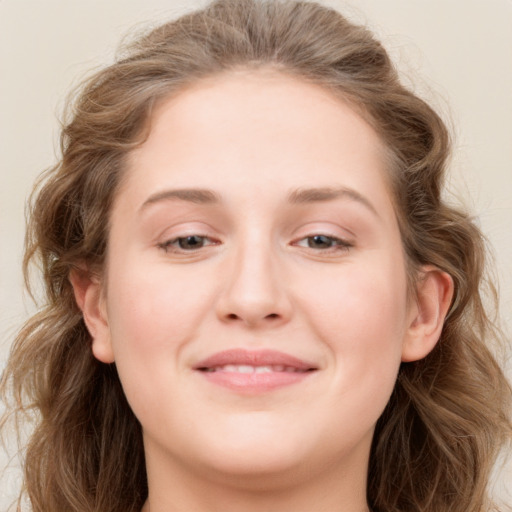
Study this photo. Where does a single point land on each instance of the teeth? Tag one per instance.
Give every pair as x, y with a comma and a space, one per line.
245, 368
262, 369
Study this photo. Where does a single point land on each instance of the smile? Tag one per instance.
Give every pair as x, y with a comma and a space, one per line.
245, 368
254, 372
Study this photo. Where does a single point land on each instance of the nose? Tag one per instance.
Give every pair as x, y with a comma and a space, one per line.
254, 293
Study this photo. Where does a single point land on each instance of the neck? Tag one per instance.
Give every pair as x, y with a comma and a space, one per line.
333, 489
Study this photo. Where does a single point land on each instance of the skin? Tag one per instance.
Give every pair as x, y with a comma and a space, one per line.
258, 280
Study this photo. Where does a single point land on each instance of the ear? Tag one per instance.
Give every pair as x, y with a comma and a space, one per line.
90, 299
434, 292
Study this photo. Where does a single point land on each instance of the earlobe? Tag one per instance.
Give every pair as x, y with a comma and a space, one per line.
434, 292
90, 299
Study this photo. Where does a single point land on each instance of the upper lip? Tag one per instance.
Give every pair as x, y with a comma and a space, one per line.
238, 356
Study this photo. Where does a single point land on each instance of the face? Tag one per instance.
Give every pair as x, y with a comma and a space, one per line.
255, 290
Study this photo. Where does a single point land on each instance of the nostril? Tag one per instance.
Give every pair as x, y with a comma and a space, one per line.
271, 316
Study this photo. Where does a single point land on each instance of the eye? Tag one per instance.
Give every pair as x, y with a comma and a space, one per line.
187, 243
323, 242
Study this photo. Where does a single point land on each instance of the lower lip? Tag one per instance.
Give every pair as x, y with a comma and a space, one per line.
255, 382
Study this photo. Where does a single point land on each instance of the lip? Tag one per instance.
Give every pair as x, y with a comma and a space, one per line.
286, 370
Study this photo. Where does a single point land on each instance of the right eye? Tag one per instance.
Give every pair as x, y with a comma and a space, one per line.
187, 243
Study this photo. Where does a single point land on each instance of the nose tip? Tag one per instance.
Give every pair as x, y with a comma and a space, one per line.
254, 295
253, 313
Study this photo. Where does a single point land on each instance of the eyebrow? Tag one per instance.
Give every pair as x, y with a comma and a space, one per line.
323, 194
192, 195
299, 196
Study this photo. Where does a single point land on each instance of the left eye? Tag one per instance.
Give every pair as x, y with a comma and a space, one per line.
187, 243
323, 242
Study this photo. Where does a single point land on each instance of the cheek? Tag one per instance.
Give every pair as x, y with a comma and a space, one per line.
155, 311
153, 314
360, 314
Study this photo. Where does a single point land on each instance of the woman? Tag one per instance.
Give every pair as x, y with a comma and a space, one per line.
257, 299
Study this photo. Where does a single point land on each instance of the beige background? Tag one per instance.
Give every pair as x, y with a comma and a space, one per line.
456, 53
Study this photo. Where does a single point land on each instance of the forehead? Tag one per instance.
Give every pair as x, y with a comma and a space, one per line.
258, 130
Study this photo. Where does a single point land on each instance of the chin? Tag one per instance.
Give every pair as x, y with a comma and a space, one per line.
258, 469
254, 446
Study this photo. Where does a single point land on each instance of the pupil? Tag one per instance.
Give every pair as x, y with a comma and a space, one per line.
321, 241
191, 242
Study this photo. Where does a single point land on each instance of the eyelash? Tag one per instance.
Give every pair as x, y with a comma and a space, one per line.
174, 245
335, 244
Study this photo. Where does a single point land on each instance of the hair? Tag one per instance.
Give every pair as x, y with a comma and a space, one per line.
449, 414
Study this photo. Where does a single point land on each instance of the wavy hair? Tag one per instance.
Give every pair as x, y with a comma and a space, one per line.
449, 414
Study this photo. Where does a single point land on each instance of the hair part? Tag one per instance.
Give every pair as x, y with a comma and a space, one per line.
435, 444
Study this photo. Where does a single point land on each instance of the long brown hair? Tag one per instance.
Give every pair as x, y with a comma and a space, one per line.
437, 441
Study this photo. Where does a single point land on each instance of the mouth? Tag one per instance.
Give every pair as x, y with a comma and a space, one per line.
254, 371
245, 368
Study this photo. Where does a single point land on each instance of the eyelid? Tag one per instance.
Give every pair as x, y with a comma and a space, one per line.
339, 242
326, 228
168, 239
334, 238
342, 240
169, 247
182, 228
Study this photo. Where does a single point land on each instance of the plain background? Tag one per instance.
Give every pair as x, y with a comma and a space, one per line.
455, 53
